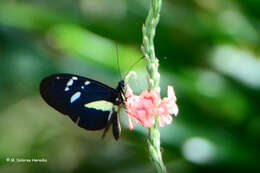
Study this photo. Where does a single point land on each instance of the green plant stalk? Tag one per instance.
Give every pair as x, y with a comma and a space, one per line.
152, 64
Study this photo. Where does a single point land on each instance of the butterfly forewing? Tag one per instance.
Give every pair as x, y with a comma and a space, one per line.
87, 102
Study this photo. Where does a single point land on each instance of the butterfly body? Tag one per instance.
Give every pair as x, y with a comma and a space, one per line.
90, 104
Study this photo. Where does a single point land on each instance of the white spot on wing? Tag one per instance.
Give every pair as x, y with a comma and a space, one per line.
70, 82
74, 78
58, 77
67, 89
82, 87
87, 82
75, 96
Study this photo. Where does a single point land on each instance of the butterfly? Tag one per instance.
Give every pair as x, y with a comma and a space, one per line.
90, 104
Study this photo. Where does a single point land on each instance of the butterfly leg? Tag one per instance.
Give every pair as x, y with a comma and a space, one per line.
109, 122
113, 119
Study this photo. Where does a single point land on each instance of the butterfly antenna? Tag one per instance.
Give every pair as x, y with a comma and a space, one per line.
117, 58
134, 65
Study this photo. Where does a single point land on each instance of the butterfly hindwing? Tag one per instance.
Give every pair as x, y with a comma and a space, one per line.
87, 102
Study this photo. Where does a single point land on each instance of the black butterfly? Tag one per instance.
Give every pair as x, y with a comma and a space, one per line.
90, 104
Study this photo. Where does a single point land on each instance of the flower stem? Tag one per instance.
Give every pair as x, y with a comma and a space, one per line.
152, 64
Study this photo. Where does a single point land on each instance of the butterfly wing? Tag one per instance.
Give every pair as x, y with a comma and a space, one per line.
87, 102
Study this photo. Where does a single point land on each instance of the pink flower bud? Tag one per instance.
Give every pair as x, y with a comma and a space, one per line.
144, 107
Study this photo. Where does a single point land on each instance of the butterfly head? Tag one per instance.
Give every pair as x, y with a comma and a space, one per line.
121, 85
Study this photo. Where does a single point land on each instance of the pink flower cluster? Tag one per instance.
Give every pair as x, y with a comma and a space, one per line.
144, 107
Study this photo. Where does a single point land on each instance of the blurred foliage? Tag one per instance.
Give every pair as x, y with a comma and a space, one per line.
208, 49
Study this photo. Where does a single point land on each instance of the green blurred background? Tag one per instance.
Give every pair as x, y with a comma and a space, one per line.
208, 50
